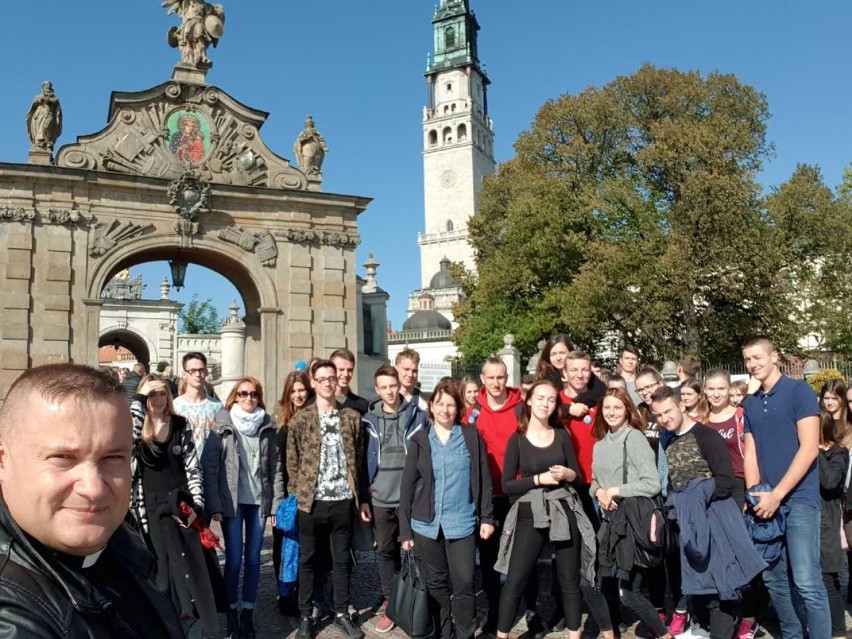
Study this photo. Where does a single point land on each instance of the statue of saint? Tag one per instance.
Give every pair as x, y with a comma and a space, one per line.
310, 149
202, 24
44, 120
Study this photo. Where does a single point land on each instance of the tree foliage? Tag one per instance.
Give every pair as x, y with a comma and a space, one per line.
632, 212
200, 318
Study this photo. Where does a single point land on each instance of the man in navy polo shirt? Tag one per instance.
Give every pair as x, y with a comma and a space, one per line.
780, 449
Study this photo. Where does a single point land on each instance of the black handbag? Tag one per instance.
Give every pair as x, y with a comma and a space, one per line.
408, 604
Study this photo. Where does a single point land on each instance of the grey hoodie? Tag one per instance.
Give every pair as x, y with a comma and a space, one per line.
385, 487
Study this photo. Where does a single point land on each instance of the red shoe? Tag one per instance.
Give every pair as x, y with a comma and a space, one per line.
679, 624
746, 630
385, 624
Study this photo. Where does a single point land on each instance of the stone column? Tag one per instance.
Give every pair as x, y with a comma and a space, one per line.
533, 363
511, 356
233, 334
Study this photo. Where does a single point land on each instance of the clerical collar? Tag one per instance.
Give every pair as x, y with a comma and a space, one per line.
76, 562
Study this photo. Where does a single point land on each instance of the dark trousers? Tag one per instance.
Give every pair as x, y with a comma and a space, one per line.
634, 596
835, 604
330, 520
488, 549
528, 544
386, 528
722, 615
445, 562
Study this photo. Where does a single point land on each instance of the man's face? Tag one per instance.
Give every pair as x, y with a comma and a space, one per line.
345, 370
578, 372
325, 382
668, 413
494, 380
408, 372
628, 362
195, 372
387, 388
645, 387
65, 471
760, 361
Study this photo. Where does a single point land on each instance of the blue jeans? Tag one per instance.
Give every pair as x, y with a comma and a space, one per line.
798, 570
232, 530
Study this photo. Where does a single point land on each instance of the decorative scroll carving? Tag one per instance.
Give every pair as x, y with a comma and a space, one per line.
105, 236
189, 196
62, 216
155, 132
17, 215
261, 243
329, 238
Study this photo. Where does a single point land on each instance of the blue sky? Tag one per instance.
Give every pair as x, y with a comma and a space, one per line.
357, 67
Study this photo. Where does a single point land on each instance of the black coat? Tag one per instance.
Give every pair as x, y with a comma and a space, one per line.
417, 493
833, 464
42, 599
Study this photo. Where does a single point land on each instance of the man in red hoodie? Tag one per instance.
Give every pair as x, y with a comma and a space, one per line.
495, 414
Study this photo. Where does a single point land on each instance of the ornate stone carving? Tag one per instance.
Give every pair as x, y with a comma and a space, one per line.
156, 132
189, 196
310, 149
202, 24
105, 236
261, 243
8, 214
329, 238
44, 120
63, 216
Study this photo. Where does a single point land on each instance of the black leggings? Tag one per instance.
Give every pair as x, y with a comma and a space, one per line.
633, 596
528, 544
835, 604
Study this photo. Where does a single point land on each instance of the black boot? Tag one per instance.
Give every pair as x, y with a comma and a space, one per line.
232, 624
306, 629
247, 624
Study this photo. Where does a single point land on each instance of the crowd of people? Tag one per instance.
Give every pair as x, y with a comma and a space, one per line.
709, 495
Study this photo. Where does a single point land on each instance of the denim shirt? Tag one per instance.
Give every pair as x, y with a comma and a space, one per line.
455, 512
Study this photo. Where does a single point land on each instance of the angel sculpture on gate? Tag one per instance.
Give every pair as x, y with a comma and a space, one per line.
202, 24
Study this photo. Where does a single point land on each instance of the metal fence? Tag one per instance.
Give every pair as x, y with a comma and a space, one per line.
462, 368
794, 369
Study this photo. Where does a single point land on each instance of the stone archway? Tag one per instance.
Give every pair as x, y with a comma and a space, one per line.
136, 344
120, 197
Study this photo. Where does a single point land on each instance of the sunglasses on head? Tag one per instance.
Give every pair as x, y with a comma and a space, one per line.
243, 394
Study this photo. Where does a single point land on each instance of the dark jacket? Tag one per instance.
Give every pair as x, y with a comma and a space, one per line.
220, 467
414, 420
356, 402
624, 528
417, 494
42, 599
131, 385
833, 464
767, 535
716, 553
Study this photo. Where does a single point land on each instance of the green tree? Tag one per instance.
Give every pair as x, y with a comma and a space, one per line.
199, 317
632, 211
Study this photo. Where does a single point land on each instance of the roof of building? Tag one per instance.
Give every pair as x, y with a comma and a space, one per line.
427, 321
443, 278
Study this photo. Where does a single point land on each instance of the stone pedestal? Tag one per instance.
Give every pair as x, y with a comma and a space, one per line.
233, 352
511, 356
188, 73
41, 156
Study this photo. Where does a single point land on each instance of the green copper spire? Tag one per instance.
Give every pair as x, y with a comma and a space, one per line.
456, 31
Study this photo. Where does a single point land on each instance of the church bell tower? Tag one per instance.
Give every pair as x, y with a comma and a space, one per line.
458, 139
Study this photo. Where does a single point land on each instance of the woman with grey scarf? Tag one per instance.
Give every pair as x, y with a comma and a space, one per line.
243, 486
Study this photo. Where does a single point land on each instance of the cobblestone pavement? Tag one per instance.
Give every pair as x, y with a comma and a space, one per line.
365, 590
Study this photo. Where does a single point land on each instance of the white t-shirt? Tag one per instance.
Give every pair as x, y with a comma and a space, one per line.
200, 417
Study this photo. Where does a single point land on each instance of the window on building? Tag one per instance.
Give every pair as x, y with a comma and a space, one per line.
433, 138
449, 38
447, 136
462, 133
450, 226
449, 87
369, 338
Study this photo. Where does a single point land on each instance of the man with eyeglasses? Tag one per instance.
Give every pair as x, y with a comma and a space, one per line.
325, 462
195, 405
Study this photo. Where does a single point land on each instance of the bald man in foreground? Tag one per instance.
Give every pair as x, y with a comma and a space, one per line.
69, 567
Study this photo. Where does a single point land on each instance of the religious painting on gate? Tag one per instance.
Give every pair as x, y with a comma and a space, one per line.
189, 136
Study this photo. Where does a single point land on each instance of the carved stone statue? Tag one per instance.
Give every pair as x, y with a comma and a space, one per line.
310, 149
44, 120
202, 24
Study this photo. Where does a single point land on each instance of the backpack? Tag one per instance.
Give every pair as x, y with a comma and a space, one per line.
650, 539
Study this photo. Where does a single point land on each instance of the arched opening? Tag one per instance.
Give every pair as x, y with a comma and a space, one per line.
121, 348
447, 135
450, 226
449, 38
462, 133
255, 290
433, 138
